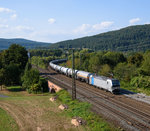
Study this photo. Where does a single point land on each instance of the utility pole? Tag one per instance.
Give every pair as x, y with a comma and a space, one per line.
73, 77
80, 61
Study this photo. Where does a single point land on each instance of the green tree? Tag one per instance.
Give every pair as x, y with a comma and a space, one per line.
12, 74
30, 78
125, 72
145, 69
94, 64
15, 54
105, 71
113, 58
136, 59
2, 77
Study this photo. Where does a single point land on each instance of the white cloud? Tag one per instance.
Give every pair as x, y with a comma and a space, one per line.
147, 23
102, 25
87, 28
51, 20
23, 28
3, 26
134, 20
13, 17
6, 10
84, 29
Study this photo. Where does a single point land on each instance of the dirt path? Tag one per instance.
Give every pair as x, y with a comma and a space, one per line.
17, 114
37, 113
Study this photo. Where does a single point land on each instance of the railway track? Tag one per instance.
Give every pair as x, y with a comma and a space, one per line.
127, 116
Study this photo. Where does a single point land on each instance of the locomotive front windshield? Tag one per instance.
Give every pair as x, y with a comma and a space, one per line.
115, 83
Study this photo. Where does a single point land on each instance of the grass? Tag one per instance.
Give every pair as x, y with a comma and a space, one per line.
36, 110
82, 109
7, 123
15, 88
14, 91
47, 113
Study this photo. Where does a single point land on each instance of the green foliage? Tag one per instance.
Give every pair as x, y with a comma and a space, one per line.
145, 69
40, 61
12, 74
12, 64
105, 71
113, 58
15, 54
14, 88
136, 59
141, 82
34, 88
2, 76
30, 78
43, 84
32, 81
28, 44
125, 72
46, 52
82, 109
94, 63
132, 68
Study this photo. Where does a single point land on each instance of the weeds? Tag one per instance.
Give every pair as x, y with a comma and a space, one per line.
82, 109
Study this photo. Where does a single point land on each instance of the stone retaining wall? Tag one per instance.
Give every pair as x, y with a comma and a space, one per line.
53, 87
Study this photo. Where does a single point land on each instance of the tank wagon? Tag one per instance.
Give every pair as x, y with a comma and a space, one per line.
109, 84
83, 76
70, 72
64, 70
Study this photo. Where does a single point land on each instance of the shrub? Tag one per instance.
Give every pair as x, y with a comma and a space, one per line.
43, 84
141, 82
30, 77
34, 88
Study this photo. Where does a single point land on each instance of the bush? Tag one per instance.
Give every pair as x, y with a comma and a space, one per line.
141, 82
34, 88
30, 78
43, 84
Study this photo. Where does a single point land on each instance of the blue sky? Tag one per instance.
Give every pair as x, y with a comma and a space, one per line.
57, 20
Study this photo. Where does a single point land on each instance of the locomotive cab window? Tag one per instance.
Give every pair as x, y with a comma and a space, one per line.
115, 83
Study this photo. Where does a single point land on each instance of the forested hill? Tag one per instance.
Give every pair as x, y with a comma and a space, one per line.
132, 38
5, 43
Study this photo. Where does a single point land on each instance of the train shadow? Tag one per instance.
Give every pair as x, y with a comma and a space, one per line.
126, 92
48, 74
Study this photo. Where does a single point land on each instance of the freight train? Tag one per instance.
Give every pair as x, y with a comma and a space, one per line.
109, 84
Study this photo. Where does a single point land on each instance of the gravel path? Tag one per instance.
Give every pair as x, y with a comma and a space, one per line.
3, 95
137, 96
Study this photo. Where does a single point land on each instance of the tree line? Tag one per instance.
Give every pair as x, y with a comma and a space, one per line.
130, 68
132, 38
15, 69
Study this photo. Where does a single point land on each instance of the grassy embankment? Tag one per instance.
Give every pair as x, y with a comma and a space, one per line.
82, 109
7, 123
37, 111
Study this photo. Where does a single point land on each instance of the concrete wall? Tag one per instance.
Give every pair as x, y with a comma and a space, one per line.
53, 87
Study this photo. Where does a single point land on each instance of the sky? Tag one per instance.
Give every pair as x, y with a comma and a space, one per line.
57, 20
